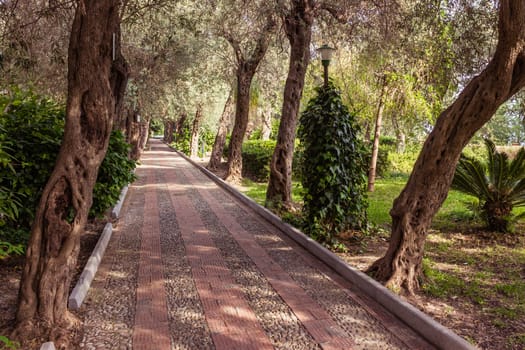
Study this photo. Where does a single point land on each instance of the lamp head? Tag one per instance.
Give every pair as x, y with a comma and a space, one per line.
326, 54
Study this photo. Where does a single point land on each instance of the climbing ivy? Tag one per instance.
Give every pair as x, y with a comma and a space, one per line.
334, 167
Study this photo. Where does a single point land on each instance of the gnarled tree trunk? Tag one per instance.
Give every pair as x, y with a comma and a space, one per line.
246, 68
62, 213
430, 181
220, 138
298, 26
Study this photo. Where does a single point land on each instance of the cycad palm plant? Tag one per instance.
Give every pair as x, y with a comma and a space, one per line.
498, 183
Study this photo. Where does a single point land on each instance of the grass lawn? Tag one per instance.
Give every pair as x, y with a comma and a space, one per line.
474, 280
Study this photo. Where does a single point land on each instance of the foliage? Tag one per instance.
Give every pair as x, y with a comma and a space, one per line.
403, 163
156, 127
7, 249
37, 125
206, 137
9, 200
116, 171
387, 145
182, 139
498, 183
8, 344
334, 167
256, 157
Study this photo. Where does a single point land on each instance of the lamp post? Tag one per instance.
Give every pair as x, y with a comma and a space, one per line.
326, 55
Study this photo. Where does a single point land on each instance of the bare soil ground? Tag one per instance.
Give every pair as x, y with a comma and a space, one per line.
475, 282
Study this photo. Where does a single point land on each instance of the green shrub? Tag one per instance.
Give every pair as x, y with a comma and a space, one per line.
8, 344
208, 137
33, 127
334, 171
403, 163
182, 139
387, 145
116, 171
256, 157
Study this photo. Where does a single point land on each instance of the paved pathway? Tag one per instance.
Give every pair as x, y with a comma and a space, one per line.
188, 267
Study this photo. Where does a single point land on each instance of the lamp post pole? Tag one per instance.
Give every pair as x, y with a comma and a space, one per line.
325, 63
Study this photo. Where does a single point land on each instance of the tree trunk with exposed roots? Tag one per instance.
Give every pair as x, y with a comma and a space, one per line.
298, 26
62, 213
428, 186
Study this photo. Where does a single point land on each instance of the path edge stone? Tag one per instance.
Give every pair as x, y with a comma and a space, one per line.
84, 282
434, 332
116, 209
76, 298
48, 346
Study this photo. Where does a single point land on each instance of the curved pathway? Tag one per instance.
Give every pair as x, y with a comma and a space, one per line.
189, 267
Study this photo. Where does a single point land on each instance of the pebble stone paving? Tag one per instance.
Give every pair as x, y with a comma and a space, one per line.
189, 267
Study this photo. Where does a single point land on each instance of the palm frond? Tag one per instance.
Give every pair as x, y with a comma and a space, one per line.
516, 169
518, 193
470, 178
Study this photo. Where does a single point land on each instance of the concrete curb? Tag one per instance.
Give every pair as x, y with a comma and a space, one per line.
48, 346
84, 282
116, 210
426, 326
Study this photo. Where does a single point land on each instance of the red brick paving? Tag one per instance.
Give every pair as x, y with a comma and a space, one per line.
315, 319
151, 329
232, 322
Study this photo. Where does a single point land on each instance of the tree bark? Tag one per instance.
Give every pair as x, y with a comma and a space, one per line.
430, 181
169, 128
143, 136
246, 68
298, 26
119, 77
194, 142
377, 137
180, 125
63, 209
220, 138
